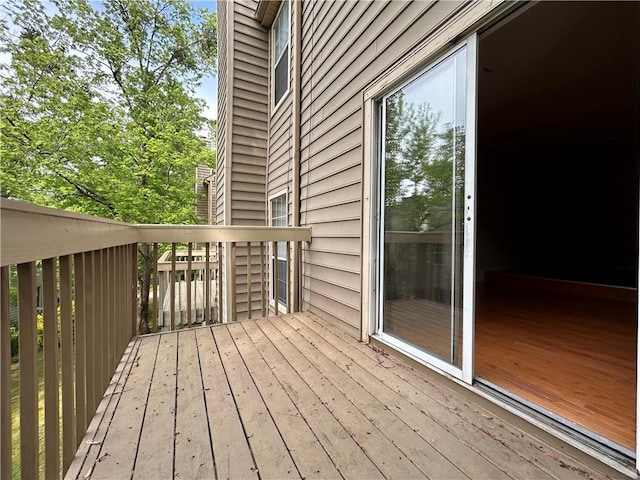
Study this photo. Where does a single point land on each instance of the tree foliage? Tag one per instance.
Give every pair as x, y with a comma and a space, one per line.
99, 112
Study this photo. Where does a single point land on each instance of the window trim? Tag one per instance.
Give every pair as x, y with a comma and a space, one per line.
282, 307
275, 105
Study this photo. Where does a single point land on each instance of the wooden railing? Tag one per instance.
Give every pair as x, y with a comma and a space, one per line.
80, 273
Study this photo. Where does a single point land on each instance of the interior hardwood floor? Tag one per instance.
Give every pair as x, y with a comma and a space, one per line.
572, 355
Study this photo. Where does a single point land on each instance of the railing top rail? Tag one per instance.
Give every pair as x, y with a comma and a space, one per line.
231, 233
29, 232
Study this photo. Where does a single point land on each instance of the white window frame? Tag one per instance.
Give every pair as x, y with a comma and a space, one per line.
274, 61
282, 307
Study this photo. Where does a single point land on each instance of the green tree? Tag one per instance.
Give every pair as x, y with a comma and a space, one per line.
99, 112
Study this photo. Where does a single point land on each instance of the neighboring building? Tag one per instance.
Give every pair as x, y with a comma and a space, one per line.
205, 194
362, 118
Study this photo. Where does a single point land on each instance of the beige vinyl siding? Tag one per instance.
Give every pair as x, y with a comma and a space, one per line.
221, 150
346, 46
248, 141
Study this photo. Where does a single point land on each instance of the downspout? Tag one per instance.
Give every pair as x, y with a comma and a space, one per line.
295, 187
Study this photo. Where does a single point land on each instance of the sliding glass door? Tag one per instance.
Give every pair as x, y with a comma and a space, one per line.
425, 204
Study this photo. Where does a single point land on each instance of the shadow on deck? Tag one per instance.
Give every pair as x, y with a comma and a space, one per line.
295, 397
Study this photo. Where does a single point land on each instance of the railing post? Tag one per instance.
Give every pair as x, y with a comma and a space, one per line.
51, 383
29, 445
5, 376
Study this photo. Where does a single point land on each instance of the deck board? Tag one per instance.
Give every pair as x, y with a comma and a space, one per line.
156, 448
295, 397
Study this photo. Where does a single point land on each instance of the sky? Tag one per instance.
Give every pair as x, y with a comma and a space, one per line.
209, 87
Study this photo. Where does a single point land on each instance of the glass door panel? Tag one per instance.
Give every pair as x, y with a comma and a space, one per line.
423, 180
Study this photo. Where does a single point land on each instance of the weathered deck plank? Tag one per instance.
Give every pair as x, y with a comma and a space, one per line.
269, 450
232, 457
118, 452
89, 446
507, 447
349, 458
155, 451
309, 456
389, 459
193, 451
294, 397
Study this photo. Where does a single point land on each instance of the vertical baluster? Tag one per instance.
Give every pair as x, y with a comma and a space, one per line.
66, 349
29, 443
51, 384
90, 350
207, 280
288, 283
5, 376
80, 346
113, 287
99, 326
274, 280
219, 282
133, 294
188, 279
263, 287
107, 316
249, 281
155, 287
173, 286
233, 261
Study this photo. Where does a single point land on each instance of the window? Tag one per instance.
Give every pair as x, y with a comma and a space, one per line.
279, 218
280, 73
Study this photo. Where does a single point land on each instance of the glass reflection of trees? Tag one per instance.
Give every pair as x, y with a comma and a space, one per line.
424, 185
420, 154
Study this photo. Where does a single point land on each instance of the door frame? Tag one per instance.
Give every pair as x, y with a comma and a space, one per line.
371, 238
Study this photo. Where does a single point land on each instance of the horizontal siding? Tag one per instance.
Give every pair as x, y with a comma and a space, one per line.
346, 46
221, 153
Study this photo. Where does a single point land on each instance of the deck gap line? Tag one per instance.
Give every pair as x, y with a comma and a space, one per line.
539, 466
206, 408
144, 413
365, 415
244, 430
334, 386
292, 401
265, 403
175, 407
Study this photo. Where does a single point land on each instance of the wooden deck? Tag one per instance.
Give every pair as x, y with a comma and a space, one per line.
296, 397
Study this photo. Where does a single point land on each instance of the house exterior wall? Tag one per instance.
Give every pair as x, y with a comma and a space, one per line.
345, 47
242, 137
